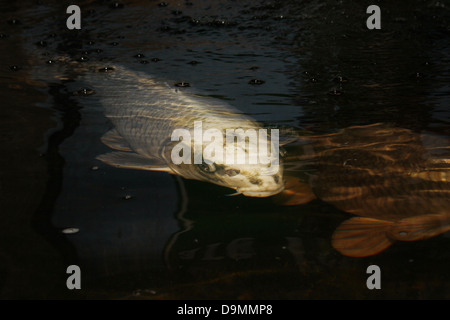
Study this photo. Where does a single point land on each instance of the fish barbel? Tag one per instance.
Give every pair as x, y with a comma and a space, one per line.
145, 113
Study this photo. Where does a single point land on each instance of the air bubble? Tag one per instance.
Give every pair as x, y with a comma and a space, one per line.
256, 82
106, 69
70, 230
182, 84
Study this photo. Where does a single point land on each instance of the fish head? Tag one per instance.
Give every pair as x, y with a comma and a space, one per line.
249, 180
248, 170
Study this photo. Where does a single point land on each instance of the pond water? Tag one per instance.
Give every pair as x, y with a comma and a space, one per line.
146, 234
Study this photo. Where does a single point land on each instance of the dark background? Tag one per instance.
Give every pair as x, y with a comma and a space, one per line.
186, 239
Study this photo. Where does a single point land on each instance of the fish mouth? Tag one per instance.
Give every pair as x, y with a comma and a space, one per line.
260, 193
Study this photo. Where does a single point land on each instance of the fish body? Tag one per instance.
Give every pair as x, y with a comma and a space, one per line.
145, 114
397, 183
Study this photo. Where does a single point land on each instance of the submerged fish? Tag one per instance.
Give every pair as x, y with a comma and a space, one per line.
396, 181
145, 114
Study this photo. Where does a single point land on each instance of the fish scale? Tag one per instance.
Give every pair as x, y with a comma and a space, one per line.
159, 109
145, 112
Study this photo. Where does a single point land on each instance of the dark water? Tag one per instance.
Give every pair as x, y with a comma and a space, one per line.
151, 235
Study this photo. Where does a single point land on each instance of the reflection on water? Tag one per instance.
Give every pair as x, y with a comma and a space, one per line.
396, 179
308, 65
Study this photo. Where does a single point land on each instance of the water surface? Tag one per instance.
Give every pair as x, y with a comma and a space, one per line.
151, 235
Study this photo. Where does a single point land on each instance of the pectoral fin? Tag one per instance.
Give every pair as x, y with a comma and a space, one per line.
115, 141
295, 193
286, 135
284, 140
362, 237
131, 160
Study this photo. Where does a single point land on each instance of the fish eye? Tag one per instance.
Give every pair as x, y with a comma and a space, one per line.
207, 167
